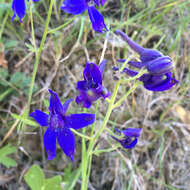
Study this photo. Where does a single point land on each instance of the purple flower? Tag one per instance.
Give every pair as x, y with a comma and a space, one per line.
19, 8
91, 88
76, 7
59, 125
159, 77
130, 138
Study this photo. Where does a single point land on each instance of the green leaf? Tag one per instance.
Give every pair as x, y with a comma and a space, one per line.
11, 44
35, 178
26, 121
71, 177
6, 150
4, 7
3, 75
30, 47
53, 183
21, 81
5, 93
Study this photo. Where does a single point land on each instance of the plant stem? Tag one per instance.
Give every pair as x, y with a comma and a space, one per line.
84, 185
32, 28
39, 51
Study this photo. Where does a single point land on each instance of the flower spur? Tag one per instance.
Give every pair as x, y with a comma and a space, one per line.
59, 125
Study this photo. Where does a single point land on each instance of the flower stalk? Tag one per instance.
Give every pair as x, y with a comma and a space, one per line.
38, 54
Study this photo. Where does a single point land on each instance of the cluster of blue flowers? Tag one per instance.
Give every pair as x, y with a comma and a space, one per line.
158, 78
74, 7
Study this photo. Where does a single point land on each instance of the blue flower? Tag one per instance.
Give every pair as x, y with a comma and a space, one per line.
130, 138
19, 8
76, 7
59, 125
91, 88
159, 77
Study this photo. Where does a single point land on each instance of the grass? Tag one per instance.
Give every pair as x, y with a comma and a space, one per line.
161, 159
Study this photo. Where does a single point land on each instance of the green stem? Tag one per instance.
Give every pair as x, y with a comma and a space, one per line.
61, 26
106, 119
84, 160
32, 28
84, 185
80, 134
38, 56
89, 158
3, 24
120, 101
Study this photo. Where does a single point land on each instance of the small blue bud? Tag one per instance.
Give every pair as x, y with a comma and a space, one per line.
160, 66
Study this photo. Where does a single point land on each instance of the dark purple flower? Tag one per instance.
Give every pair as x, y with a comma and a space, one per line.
130, 138
159, 77
19, 8
76, 7
91, 88
59, 125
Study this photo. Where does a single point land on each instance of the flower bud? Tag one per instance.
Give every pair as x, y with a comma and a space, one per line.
160, 66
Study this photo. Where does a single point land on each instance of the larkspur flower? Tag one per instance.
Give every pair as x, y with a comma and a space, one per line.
59, 125
159, 77
76, 7
19, 8
130, 138
91, 88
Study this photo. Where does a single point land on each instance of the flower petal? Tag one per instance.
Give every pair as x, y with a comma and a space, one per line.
55, 104
66, 141
66, 105
130, 145
161, 85
82, 85
130, 72
77, 121
92, 72
132, 132
102, 2
96, 19
50, 143
97, 2
136, 64
121, 60
87, 104
74, 7
40, 117
19, 8
102, 66
149, 55
160, 65
126, 142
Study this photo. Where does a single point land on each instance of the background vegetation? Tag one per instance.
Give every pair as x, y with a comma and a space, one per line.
160, 161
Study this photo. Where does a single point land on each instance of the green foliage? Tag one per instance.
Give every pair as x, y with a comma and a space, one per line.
24, 120
18, 81
4, 159
36, 180
4, 7
11, 44
21, 81
71, 177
